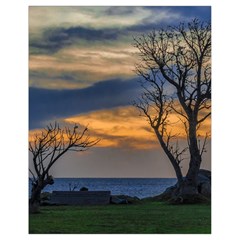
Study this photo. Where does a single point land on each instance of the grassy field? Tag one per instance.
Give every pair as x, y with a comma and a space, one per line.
150, 217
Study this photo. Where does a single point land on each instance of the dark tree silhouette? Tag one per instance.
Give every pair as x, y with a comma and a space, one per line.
47, 148
175, 65
156, 106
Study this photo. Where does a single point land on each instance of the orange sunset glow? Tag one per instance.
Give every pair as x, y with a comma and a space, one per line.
123, 127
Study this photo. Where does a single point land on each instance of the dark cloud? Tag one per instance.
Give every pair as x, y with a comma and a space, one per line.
53, 39
66, 34
45, 104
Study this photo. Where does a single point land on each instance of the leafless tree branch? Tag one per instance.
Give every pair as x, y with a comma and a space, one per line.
180, 57
51, 144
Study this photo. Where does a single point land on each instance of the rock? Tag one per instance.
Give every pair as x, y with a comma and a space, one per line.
205, 173
204, 182
202, 179
45, 196
204, 187
167, 194
204, 176
124, 199
117, 200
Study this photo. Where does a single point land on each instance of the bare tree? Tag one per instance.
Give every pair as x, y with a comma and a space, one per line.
47, 148
156, 107
176, 64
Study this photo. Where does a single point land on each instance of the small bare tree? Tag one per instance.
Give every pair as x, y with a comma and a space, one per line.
176, 62
47, 148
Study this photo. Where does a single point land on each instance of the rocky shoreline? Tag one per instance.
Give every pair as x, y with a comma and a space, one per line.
204, 188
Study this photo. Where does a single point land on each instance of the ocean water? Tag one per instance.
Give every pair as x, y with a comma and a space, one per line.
139, 187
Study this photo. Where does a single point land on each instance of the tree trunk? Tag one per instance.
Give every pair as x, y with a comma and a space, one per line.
35, 199
37, 188
188, 190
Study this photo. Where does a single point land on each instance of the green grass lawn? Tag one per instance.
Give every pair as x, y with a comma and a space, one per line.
149, 217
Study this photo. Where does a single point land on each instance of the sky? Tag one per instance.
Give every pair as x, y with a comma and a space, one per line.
81, 70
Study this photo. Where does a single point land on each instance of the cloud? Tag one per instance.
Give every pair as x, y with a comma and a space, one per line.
122, 127
117, 17
118, 127
58, 80
50, 31
86, 65
49, 105
54, 39
90, 17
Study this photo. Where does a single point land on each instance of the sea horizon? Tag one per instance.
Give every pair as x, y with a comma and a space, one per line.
135, 187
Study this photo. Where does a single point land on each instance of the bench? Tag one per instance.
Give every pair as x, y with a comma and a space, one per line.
80, 197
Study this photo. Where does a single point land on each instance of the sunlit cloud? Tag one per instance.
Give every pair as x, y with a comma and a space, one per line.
87, 66
123, 127
118, 127
95, 17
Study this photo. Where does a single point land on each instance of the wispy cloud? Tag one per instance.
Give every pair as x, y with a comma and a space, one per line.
123, 127
87, 65
96, 17
118, 127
